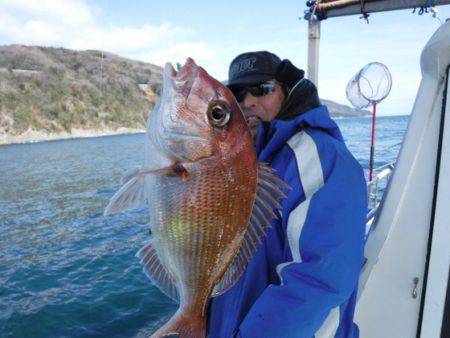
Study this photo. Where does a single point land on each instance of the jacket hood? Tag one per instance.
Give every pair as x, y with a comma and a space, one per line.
272, 136
301, 98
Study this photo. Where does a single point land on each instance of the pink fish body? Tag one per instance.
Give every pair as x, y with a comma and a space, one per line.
208, 197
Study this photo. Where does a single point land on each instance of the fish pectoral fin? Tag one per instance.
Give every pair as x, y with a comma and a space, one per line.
268, 193
129, 174
131, 196
154, 270
176, 169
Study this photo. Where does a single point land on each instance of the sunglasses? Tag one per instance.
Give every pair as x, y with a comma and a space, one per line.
257, 90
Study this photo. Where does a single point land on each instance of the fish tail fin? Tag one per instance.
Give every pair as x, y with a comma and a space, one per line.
183, 326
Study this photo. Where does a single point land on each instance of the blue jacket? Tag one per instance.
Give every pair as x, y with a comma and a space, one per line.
302, 280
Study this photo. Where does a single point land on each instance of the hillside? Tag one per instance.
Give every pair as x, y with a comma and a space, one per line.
56, 91
338, 110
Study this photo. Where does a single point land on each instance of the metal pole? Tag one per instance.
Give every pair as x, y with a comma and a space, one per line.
375, 6
313, 50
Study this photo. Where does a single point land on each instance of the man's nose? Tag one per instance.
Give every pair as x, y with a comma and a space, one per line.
249, 101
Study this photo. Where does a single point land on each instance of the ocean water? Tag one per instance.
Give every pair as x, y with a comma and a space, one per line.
68, 271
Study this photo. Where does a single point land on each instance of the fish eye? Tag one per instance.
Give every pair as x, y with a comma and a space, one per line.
219, 114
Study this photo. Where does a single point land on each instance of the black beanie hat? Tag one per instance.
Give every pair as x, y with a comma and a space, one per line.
252, 67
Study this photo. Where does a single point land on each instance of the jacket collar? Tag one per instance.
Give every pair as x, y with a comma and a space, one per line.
271, 137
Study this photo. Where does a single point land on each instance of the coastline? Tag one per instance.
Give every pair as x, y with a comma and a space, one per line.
33, 136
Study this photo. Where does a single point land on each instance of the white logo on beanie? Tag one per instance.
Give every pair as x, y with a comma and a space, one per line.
242, 66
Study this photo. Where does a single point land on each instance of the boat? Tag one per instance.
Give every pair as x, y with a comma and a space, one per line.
404, 288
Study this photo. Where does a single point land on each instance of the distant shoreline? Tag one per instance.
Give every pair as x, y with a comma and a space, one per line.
33, 136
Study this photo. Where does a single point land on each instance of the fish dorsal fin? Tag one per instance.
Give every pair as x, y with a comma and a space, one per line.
268, 192
155, 270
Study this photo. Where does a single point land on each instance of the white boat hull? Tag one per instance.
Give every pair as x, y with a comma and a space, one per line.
409, 246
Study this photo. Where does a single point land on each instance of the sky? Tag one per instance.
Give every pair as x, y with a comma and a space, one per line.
214, 32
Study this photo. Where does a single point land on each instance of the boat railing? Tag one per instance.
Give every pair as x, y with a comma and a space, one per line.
376, 188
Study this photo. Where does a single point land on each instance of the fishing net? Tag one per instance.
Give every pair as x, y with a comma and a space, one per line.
369, 86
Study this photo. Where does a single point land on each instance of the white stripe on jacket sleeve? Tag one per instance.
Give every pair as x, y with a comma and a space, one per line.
311, 176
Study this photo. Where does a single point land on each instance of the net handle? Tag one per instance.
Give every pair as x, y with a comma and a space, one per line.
372, 142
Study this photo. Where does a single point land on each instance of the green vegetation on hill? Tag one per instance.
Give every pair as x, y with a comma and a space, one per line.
56, 89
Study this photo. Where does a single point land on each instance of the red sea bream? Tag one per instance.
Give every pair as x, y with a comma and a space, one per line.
209, 199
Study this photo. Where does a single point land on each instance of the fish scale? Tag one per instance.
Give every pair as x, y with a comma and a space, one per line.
196, 229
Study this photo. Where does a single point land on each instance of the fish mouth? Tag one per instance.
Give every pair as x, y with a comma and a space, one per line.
180, 142
182, 78
169, 70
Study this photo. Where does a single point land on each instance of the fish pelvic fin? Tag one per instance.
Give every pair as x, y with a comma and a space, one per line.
183, 325
269, 191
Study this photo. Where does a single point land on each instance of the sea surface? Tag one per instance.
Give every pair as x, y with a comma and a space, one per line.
68, 271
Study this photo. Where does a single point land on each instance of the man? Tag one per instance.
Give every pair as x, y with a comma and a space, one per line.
302, 279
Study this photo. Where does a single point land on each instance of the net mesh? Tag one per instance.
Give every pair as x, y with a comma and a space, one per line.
369, 86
